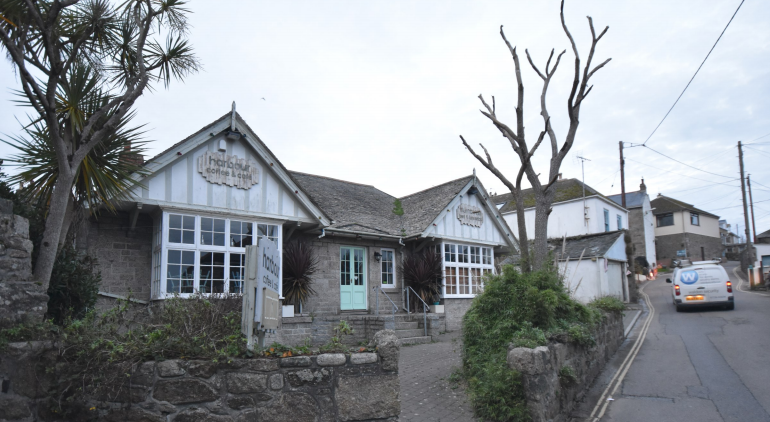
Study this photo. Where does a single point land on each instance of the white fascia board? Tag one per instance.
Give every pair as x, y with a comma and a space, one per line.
491, 209
216, 211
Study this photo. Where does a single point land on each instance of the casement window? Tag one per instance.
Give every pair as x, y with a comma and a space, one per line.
694, 219
387, 268
620, 222
202, 254
606, 220
665, 220
464, 269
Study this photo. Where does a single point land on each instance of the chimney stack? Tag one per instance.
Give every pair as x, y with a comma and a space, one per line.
643, 187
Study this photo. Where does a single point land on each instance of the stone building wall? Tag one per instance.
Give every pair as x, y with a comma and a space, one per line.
321, 388
666, 246
551, 397
636, 230
455, 311
21, 299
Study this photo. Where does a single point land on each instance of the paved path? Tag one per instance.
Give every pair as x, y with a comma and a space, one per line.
426, 393
705, 365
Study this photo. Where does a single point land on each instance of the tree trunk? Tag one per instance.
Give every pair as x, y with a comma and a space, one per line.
68, 217
526, 264
57, 211
541, 233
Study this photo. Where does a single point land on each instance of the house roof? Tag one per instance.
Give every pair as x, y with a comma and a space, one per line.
566, 190
595, 245
763, 235
664, 204
364, 208
633, 199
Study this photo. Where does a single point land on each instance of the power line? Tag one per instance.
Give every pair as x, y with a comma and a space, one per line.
693, 76
760, 143
678, 174
685, 164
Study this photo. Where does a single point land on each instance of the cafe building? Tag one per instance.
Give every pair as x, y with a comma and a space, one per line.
183, 231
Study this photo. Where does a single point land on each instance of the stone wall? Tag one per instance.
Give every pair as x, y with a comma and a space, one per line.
319, 330
666, 246
455, 311
551, 397
21, 299
636, 230
325, 387
124, 256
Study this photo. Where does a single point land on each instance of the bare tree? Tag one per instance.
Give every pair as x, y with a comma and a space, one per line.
48, 41
543, 192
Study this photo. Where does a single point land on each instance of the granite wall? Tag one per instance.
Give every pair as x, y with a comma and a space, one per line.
551, 397
666, 246
320, 388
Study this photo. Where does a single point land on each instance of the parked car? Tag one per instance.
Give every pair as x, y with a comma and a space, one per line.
701, 283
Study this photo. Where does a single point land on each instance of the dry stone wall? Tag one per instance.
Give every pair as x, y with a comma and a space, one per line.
325, 387
551, 397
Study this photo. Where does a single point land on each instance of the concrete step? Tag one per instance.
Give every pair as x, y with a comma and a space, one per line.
410, 333
407, 325
414, 340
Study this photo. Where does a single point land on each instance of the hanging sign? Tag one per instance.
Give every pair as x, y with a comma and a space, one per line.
260, 309
470, 215
228, 170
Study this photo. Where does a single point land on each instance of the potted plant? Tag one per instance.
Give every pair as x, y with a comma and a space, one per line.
422, 272
299, 264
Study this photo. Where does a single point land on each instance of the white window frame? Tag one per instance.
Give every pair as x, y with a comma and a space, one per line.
393, 251
619, 219
160, 287
469, 265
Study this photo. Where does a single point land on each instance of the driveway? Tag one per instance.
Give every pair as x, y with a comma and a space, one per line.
427, 395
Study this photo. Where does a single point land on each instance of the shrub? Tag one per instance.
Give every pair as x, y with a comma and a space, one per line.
422, 272
525, 309
299, 264
608, 304
567, 375
74, 286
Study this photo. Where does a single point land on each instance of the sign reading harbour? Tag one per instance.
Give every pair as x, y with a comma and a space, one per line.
470, 215
228, 170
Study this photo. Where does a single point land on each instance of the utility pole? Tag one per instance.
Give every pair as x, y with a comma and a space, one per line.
622, 177
751, 202
749, 249
582, 167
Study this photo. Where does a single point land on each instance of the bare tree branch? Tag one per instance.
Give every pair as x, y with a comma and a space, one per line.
488, 164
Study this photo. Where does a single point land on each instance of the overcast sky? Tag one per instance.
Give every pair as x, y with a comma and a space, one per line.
378, 92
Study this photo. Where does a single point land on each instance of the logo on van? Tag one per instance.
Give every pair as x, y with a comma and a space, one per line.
689, 277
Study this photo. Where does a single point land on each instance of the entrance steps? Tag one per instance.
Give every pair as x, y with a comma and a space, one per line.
409, 332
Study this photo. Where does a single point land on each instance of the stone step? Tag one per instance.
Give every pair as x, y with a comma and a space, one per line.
407, 325
414, 340
410, 333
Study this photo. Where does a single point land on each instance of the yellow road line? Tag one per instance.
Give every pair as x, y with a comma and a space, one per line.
742, 282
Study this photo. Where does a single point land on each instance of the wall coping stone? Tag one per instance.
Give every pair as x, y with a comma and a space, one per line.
331, 359
363, 358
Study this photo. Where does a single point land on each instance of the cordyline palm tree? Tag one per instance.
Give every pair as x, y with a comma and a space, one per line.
120, 46
299, 264
422, 272
103, 176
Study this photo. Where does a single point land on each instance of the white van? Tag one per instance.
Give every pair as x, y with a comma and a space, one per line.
703, 283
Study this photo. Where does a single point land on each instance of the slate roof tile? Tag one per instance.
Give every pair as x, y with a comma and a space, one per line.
566, 189
595, 245
664, 204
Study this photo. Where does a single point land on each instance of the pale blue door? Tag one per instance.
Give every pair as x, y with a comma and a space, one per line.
352, 278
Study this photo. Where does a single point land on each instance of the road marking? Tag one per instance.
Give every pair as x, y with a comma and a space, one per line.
620, 374
740, 286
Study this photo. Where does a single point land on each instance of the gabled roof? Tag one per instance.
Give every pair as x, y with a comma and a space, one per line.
761, 235
633, 199
421, 208
566, 190
664, 204
352, 206
595, 245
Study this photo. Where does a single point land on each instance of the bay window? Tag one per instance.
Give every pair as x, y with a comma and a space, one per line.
464, 269
202, 254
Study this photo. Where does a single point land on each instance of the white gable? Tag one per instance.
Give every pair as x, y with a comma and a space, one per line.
491, 230
178, 178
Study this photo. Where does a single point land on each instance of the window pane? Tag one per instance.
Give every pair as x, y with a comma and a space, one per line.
189, 222
179, 271
237, 272
450, 279
464, 287
188, 237
181, 229
212, 231
240, 234
387, 266
175, 221
212, 272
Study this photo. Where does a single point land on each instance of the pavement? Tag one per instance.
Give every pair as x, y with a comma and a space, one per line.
705, 365
427, 394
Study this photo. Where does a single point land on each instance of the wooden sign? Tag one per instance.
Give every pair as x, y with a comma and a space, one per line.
228, 170
470, 215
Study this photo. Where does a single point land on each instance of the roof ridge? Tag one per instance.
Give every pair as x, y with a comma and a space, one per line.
588, 235
332, 178
434, 187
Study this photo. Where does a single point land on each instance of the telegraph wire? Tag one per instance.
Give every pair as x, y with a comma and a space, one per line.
693, 76
678, 174
685, 164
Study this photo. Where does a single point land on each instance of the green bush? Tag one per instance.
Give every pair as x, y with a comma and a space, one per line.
567, 375
523, 309
74, 286
608, 304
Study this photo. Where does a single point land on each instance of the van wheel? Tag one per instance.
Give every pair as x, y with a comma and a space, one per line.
731, 306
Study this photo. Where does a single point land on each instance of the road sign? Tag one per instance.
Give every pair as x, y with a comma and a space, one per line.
261, 289
683, 252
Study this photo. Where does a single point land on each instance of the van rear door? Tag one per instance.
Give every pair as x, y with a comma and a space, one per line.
705, 284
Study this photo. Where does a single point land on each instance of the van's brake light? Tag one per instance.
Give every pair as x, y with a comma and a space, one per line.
729, 287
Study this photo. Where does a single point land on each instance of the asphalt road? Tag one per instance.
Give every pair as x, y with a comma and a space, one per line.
705, 365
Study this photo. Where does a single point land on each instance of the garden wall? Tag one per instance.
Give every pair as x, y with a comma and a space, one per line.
551, 397
325, 387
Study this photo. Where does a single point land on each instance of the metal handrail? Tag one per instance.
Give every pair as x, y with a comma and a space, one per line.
424, 309
393, 309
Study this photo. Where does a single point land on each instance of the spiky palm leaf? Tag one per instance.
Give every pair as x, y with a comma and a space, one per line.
422, 272
299, 264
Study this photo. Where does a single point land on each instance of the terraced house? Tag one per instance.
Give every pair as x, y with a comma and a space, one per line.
184, 232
